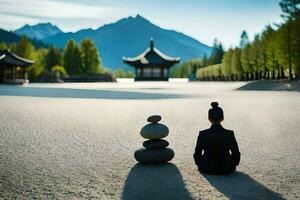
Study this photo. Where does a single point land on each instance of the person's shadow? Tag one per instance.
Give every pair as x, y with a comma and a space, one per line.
155, 182
238, 186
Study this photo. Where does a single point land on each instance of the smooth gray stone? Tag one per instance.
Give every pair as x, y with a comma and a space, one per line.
153, 156
154, 118
154, 131
155, 144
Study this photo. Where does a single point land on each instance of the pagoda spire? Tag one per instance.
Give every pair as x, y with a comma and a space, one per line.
151, 43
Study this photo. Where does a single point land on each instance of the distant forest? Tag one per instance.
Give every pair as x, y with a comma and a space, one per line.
274, 54
76, 61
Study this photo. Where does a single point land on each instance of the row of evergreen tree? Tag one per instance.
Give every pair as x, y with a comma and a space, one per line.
188, 69
273, 54
74, 60
82, 59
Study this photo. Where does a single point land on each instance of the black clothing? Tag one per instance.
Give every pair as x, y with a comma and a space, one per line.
216, 151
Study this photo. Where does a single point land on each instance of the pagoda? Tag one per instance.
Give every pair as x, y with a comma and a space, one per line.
152, 64
13, 67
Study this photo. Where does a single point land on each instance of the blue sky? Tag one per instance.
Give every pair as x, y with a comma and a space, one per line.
201, 19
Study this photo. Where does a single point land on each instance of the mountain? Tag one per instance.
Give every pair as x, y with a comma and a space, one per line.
131, 36
9, 37
39, 31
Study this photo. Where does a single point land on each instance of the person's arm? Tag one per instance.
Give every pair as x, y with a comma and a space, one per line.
198, 150
235, 153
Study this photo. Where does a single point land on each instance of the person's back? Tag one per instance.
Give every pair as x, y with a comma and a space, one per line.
216, 150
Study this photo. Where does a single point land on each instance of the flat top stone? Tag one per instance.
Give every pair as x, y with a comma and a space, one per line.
154, 118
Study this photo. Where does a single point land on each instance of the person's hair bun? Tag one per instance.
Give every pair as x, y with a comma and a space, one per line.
214, 104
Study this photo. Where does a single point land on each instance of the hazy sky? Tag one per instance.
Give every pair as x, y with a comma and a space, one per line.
201, 19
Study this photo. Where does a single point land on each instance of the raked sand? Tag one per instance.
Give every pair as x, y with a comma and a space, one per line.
76, 141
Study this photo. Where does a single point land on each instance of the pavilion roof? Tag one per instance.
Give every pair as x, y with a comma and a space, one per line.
2, 56
9, 58
151, 56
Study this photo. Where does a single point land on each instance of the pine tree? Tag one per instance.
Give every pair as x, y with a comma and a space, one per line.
291, 10
270, 38
296, 44
244, 41
262, 56
54, 57
204, 61
72, 58
227, 71
39, 65
220, 54
254, 56
236, 65
23, 48
245, 62
90, 57
217, 53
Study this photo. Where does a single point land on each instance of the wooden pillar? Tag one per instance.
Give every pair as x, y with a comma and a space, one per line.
1, 73
12, 72
24, 73
152, 71
161, 72
168, 72
142, 72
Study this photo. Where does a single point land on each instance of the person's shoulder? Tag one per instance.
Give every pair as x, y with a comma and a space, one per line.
228, 131
204, 131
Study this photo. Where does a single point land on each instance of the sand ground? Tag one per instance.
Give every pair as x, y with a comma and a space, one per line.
76, 141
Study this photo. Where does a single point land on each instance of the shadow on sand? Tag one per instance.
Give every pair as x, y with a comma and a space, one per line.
271, 85
159, 182
238, 186
80, 93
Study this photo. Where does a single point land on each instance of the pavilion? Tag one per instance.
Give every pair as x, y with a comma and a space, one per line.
152, 64
13, 67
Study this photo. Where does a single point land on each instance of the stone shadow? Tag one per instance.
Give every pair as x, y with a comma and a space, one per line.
81, 93
238, 186
159, 182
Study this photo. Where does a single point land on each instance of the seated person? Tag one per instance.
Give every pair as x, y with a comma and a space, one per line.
216, 151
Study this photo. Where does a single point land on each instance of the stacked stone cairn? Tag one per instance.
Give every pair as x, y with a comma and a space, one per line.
155, 149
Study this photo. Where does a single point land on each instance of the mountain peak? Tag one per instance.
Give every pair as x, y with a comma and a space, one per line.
129, 37
45, 24
138, 17
39, 31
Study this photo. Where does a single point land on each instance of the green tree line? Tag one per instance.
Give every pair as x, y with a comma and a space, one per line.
188, 69
73, 60
273, 54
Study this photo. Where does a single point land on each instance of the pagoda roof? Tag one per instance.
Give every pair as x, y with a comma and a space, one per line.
9, 58
151, 56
